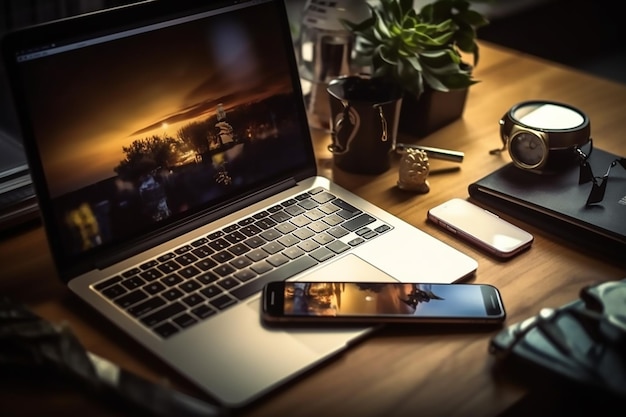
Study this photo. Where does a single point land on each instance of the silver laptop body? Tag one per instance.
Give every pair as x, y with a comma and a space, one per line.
158, 133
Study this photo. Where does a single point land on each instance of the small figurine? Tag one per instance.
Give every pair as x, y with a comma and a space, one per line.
414, 169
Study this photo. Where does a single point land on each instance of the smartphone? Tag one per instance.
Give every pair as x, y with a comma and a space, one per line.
481, 228
380, 303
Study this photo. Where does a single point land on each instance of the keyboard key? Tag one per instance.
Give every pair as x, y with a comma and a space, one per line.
293, 252
358, 222
222, 256
235, 237
245, 222
131, 298
189, 271
241, 262
184, 320
206, 264
169, 266
289, 202
183, 249
285, 228
199, 242
166, 257
224, 270
250, 230
146, 265
323, 197
186, 259
238, 249
215, 235
294, 211
338, 246
189, 286
288, 240
211, 291
323, 238
131, 272
280, 216
356, 241
308, 245
147, 306
193, 299
329, 208
254, 242
151, 274
303, 234
114, 291
383, 228
230, 229
322, 254
244, 275
273, 247
271, 234
256, 255
279, 274
222, 302
207, 278
308, 204
202, 251
163, 314
166, 330
318, 226
171, 280
133, 282
219, 244
203, 311
261, 267
102, 285
265, 223
153, 288
172, 294
337, 232
333, 220
228, 283
345, 206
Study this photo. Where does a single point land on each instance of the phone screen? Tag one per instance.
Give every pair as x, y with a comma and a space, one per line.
381, 302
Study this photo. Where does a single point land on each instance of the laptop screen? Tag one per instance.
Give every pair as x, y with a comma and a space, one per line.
140, 127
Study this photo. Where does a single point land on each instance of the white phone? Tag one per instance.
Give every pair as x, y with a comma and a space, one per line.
481, 227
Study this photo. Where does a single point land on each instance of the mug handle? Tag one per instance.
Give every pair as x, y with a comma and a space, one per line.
335, 147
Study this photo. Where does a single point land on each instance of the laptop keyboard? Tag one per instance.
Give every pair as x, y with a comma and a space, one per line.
206, 276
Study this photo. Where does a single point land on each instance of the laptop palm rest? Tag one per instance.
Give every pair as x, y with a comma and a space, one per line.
350, 268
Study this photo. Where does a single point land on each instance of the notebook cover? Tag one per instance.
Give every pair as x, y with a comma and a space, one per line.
556, 203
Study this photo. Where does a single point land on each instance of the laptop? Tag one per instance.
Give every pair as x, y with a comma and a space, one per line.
170, 153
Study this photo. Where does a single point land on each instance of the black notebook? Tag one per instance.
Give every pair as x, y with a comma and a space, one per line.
557, 203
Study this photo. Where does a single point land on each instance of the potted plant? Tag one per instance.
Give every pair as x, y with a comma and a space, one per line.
422, 53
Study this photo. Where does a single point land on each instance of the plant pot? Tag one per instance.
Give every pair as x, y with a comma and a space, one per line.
365, 114
420, 116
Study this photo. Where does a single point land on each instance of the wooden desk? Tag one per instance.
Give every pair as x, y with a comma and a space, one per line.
388, 374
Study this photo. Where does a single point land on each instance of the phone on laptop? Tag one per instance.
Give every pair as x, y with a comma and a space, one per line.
374, 303
481, 228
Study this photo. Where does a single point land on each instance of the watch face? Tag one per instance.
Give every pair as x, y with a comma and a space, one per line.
528, 150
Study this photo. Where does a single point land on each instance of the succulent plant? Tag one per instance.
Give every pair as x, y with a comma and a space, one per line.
411, 48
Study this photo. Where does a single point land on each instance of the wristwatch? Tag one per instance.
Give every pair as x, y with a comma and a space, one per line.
543, 136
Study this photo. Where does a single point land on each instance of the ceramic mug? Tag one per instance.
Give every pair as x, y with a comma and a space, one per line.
364, 123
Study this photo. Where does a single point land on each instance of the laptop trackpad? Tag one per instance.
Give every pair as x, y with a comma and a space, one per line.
350, 268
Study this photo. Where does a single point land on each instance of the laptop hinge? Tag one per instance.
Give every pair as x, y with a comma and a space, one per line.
181, 228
